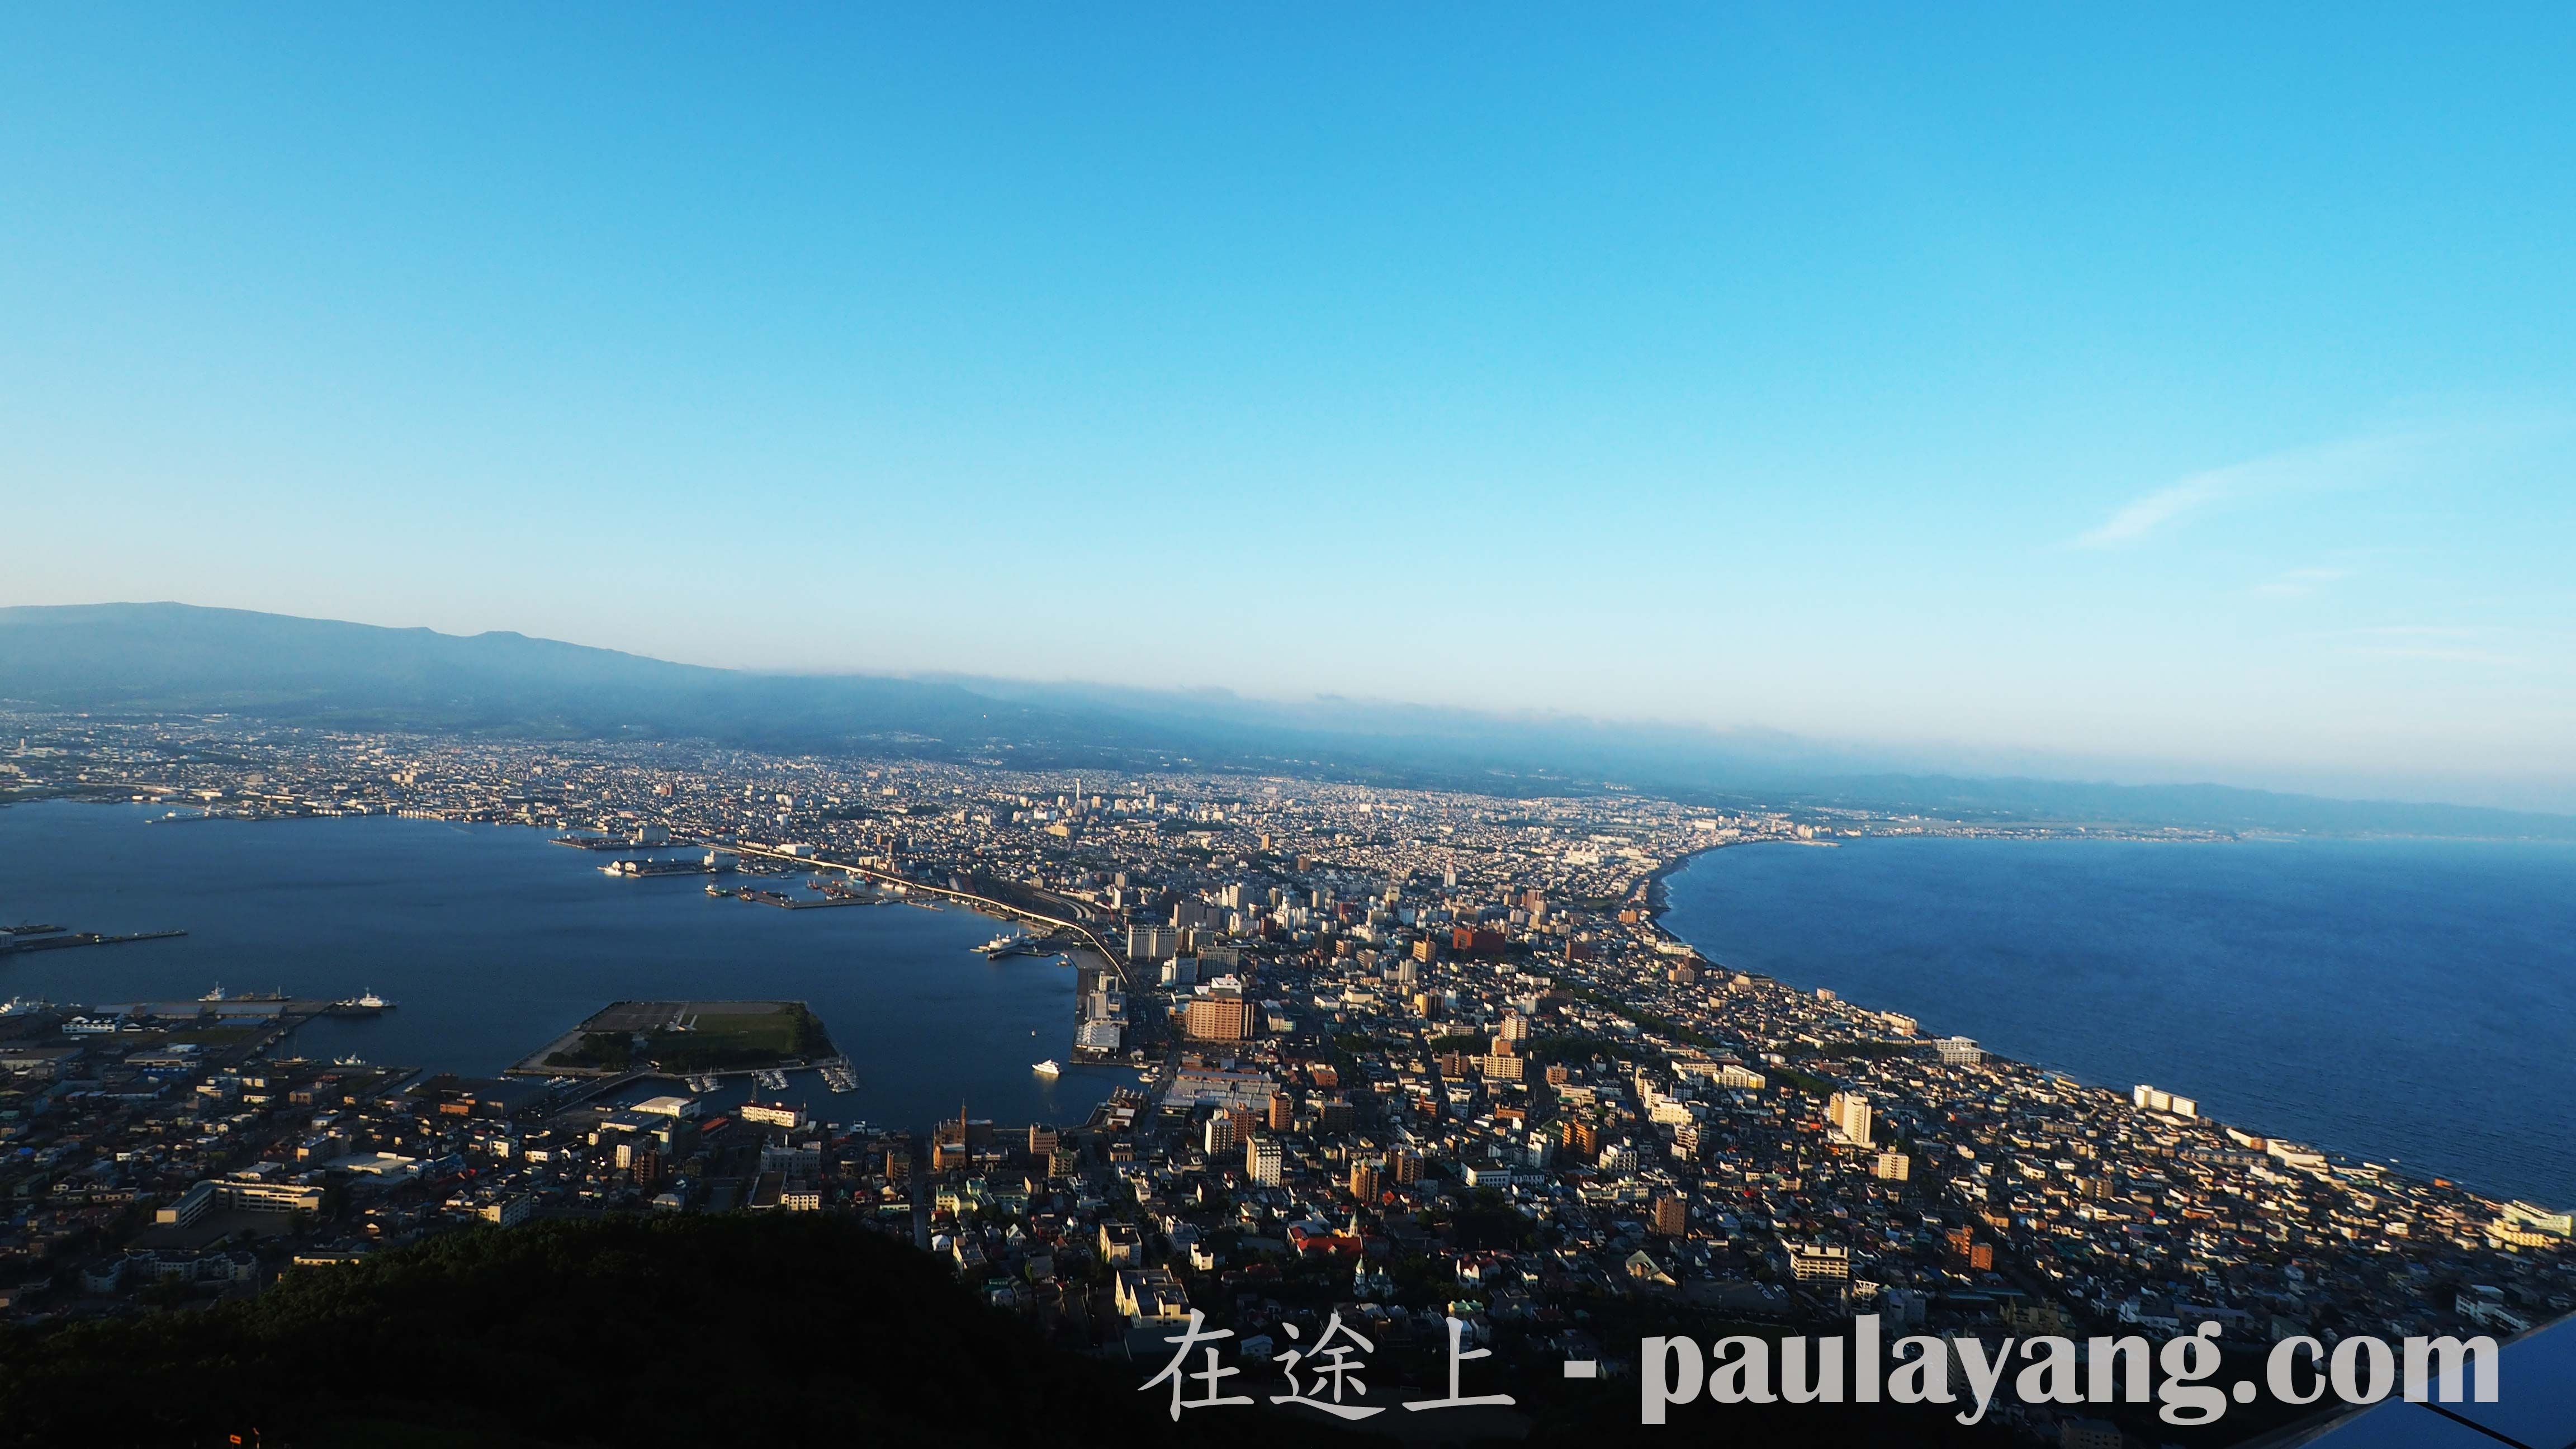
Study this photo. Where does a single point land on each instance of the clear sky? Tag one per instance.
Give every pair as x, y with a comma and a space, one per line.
2191, 394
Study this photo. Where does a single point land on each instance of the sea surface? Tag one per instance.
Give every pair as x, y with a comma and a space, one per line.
2405, 1001
493, 941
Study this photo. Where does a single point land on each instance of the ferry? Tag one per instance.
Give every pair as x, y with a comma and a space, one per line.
1000, 943
1049, 1068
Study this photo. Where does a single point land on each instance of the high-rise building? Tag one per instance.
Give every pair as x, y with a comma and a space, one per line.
1850, 1112
1220, 1134
1261, 1159
1406, 1164
1152, 943
1672, 1216
1217, 1018
1365, 1181
1283, 1112
1893, 1167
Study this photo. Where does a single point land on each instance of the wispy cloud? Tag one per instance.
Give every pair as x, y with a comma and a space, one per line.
2299, 583
2335, 465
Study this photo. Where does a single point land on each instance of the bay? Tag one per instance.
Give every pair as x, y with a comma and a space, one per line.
493, 940
2400, 1000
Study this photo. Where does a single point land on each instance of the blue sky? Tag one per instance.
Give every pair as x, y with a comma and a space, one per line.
2183, 394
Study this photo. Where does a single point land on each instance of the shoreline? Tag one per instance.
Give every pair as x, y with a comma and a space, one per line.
2336, 1157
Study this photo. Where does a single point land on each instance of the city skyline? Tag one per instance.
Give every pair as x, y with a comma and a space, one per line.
2062, 394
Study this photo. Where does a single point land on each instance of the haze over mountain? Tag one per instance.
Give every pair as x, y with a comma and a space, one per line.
178, 658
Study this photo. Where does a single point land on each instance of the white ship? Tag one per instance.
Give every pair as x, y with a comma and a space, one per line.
1048, 1068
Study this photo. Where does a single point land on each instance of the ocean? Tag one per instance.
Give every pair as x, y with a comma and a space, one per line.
2405, 1001
493, 941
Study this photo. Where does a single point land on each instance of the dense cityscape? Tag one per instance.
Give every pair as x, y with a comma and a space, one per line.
1404, 1056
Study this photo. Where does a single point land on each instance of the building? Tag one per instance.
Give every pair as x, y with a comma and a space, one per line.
1958, 1051
1283, 1112
248, 1192
1217, 1018
1219, 1134
1217, 1087
1892, 1167
1152, 943
508, 1212
1671, 1217
1849, 1111
1150, 1295
2151, 1099
1365, 1181
1121, 1245
190, 1206
1819, 1262
1261, 1159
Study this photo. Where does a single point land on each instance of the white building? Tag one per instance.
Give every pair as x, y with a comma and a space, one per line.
1261, 1159
1849, 1111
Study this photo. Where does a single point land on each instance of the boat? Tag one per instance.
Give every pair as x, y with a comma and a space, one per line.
1048, 1068
368, 1005
351, 1060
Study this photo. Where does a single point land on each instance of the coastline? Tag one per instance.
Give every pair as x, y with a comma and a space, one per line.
2409, 1165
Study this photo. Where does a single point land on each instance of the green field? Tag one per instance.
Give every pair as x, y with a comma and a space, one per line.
721, 1036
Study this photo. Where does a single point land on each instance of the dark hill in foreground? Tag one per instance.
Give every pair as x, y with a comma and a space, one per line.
696, 1331
719, 1331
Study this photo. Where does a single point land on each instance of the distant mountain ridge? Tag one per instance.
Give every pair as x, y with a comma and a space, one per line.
180, 658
